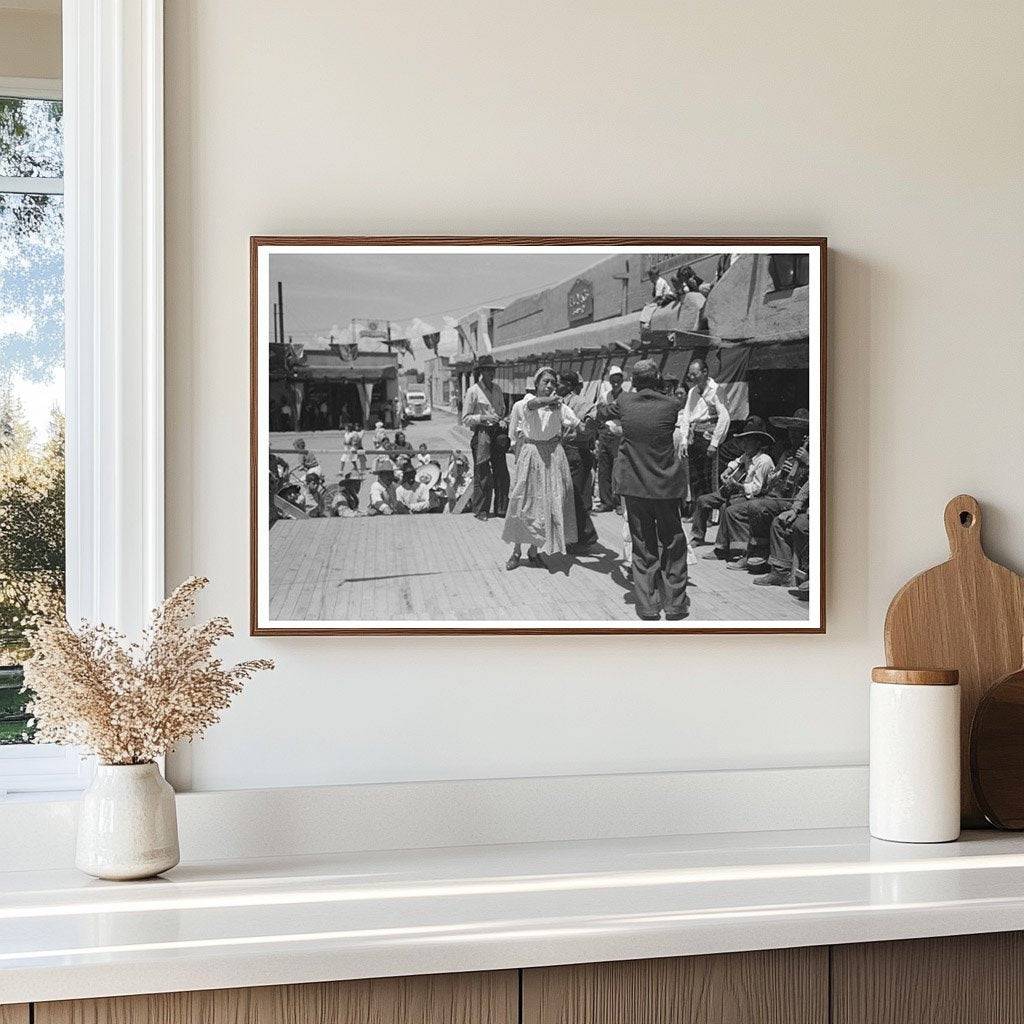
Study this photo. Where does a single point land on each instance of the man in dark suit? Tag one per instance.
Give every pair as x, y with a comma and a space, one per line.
652, 479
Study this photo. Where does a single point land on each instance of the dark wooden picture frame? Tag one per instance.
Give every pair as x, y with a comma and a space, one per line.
679, 244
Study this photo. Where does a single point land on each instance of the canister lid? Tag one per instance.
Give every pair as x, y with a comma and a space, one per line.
916, 676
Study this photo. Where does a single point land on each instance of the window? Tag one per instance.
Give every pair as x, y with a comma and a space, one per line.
31, 383
789, 270
81, 188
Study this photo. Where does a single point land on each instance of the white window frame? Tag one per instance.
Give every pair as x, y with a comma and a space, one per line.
114, 325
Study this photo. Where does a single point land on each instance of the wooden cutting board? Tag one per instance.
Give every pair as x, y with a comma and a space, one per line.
967, 614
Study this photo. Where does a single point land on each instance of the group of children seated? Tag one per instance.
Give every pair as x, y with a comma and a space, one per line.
406, 480
408, 490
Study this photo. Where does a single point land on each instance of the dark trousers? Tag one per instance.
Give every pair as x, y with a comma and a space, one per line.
744, 521
659, 556
490, 474
702, 467
787, 539
702, 510
581, 469
607, 449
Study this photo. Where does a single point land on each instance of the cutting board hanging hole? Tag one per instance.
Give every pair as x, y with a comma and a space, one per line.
963, 526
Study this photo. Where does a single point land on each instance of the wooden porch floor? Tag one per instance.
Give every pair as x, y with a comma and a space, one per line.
452, 567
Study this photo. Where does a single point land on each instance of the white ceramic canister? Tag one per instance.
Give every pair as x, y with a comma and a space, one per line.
915, 755
127, 825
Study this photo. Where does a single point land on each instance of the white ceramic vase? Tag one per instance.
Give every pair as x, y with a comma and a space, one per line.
127, 824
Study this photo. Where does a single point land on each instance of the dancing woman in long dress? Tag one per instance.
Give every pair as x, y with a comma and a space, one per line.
540, 513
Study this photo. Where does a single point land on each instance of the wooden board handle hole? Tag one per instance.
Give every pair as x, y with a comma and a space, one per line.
963, 524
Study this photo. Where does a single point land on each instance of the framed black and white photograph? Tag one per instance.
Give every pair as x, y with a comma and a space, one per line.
537, 435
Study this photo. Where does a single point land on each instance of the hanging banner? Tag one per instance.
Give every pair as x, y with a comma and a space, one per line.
375, 330
366, 399
731, 374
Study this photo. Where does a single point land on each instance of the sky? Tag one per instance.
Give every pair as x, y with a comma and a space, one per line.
31, 264
325, 290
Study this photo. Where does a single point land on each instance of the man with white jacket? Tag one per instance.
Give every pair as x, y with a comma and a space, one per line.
701, 427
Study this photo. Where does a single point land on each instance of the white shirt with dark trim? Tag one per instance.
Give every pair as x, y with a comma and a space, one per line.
696, 415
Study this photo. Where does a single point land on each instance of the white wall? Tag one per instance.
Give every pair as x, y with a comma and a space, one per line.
895, 129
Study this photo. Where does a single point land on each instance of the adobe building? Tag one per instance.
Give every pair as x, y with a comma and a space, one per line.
323, 388
752, 326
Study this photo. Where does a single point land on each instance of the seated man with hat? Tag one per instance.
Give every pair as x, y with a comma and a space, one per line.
746, 523
383, 491
743, 478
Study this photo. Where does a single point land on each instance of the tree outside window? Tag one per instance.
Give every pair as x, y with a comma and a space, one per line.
31, 387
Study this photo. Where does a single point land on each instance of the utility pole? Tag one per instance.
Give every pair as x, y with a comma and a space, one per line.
280, 310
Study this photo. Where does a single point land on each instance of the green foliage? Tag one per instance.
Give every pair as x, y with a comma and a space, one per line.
32, 549
31, 138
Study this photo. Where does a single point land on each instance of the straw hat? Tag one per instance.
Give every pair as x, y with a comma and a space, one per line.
429, 474
382, 464
801, 418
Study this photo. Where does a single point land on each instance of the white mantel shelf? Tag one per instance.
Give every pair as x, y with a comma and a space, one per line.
266, 922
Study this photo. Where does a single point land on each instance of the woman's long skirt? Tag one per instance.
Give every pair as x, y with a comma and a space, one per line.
540, 505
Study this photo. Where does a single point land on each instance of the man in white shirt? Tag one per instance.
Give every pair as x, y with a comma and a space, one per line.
412, 493
663, 293
701, 427
608, 439
744, 478
383, 492
485, 412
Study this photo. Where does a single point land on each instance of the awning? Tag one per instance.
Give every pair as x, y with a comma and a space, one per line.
346, 372
332, 364
625, 329
782, 355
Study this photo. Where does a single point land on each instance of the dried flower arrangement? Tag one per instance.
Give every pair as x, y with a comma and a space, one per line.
130, 703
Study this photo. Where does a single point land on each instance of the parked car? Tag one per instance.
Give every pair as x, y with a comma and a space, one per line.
416, 406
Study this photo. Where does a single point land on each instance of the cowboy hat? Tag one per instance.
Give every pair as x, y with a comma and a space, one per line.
754, 427
801, 418
485, 360
382, 464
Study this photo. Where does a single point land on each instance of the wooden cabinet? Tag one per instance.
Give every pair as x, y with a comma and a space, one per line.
970, 979
491, 998
777, 986
962, 979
